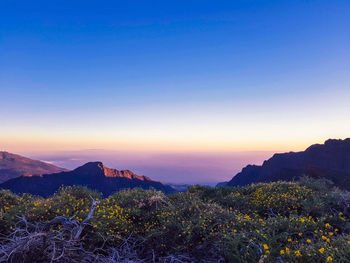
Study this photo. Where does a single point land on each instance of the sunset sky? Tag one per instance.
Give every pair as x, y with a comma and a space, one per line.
173, 76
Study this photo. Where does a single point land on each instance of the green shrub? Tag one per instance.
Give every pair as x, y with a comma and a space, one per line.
307, 221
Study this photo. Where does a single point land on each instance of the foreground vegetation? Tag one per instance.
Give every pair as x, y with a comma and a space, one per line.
305, 221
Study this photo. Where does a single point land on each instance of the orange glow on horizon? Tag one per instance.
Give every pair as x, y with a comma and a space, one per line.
17, 144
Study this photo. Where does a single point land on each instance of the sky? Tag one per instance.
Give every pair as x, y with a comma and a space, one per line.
173, 77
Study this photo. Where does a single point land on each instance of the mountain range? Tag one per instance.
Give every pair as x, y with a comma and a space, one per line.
93, 175
13, 165
330, 160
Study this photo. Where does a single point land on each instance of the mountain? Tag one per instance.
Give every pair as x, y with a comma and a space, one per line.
13, 165
330, 160
94, 175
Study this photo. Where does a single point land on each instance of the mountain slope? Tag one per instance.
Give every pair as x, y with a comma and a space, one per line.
94, 175
13, 165
330, 160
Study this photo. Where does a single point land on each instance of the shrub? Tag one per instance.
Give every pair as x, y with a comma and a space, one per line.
304, 221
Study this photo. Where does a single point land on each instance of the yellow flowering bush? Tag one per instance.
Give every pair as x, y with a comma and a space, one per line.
307, 221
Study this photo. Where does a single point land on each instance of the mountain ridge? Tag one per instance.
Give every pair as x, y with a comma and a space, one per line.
330, 160
93, 175
14, 165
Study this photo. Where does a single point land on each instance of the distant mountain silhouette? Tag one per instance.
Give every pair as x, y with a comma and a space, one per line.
94, 175
13, 165
330, 160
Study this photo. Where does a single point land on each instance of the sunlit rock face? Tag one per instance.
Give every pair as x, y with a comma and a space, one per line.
99, 169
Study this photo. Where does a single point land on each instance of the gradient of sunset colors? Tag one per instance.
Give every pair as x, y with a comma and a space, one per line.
173, 76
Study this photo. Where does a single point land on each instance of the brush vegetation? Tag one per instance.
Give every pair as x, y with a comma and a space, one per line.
304, 221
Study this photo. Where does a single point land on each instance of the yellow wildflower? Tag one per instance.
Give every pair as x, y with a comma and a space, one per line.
297, 253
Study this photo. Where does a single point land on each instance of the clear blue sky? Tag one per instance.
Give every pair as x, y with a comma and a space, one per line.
173, 75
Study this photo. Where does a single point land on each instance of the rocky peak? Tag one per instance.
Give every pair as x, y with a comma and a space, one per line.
91, 168
99, 169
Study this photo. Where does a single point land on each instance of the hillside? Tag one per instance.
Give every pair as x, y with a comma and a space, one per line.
94, 175
13, 165
330, 160
304, 221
